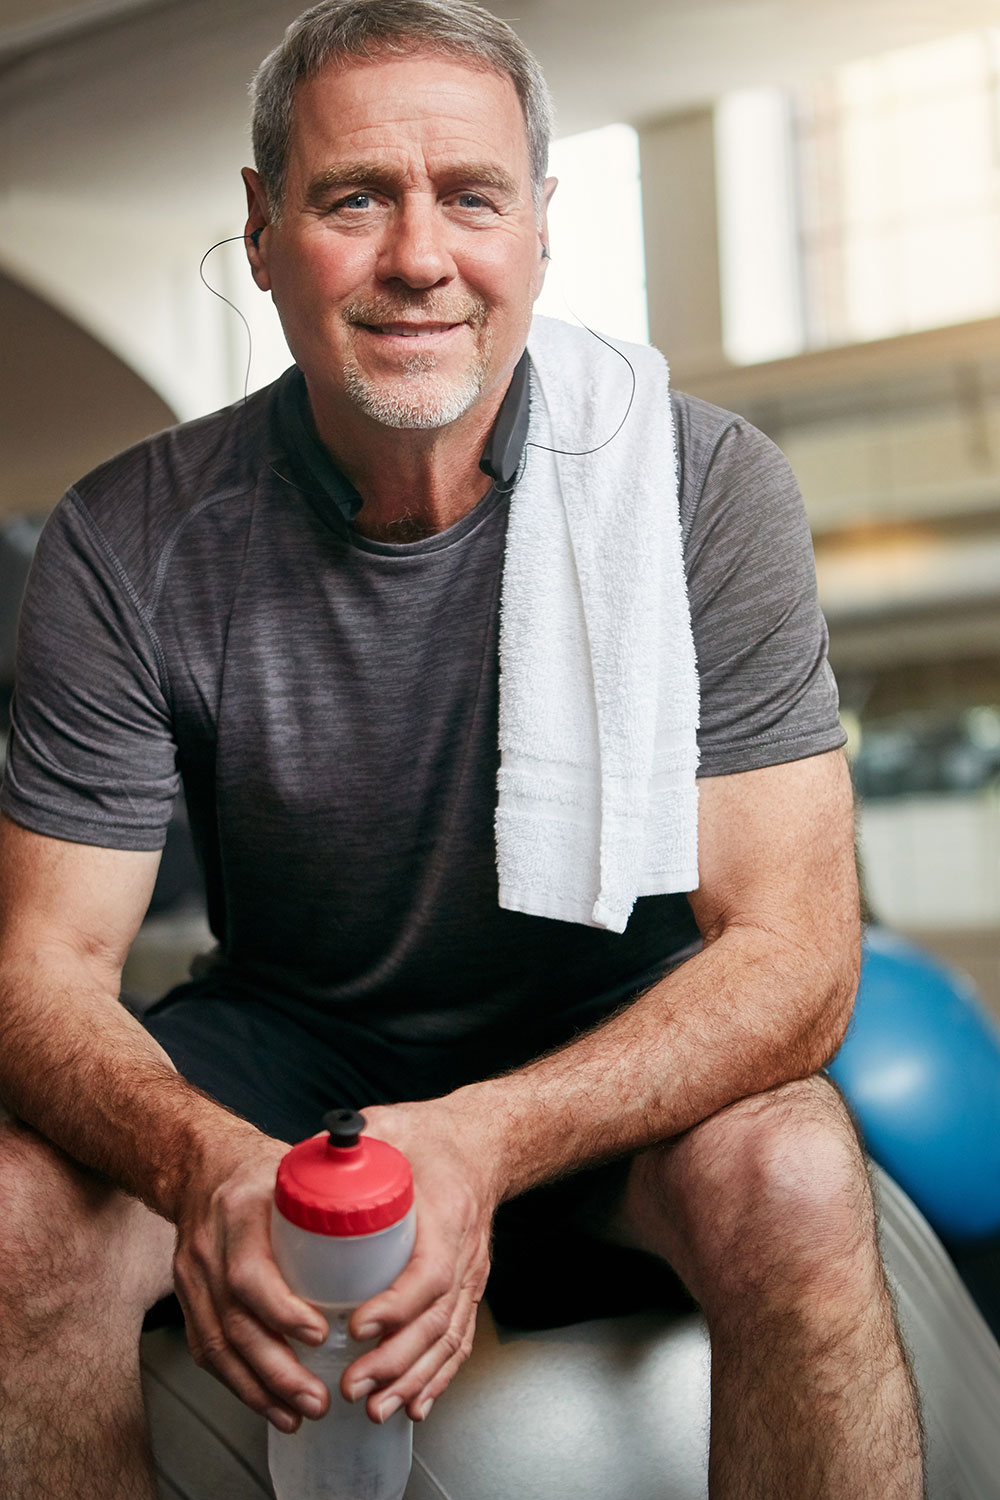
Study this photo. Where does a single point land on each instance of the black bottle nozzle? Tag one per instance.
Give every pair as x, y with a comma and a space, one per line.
345, 1126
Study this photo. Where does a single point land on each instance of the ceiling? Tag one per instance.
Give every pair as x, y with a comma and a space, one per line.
119, 76
649, 56
27, 24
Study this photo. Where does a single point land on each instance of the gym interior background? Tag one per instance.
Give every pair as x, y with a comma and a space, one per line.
799, 204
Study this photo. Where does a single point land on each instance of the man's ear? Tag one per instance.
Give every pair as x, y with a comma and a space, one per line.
545, 255
256, 232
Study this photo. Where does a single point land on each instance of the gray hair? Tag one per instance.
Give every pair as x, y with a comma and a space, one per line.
367, 29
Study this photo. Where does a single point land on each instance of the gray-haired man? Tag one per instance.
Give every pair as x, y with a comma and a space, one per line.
295, 604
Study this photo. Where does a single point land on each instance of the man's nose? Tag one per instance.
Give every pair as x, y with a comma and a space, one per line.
415, 249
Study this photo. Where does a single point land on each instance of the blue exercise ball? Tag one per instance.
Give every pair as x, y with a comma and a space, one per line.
920, 1068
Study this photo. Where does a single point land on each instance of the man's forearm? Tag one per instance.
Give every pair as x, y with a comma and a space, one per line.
79, 1069
745, 1015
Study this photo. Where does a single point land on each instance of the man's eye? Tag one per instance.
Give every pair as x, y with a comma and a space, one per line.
471, 200
355, 201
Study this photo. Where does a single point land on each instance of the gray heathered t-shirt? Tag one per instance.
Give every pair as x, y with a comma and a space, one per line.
199, 609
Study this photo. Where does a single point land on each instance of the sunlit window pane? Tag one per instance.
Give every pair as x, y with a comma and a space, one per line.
873, 305
950, 270
897, 167
597, 273
762, 314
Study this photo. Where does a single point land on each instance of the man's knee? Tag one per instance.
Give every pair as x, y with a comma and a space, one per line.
67, 1236
772, 1186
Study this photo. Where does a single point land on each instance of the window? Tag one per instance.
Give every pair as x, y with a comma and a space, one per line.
879, 187
597, 275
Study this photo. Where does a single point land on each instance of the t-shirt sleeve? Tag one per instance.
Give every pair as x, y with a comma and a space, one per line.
767, 691
91, 757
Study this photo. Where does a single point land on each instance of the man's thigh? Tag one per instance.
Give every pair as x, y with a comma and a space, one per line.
63, 1220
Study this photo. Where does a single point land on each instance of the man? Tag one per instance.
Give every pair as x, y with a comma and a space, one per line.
296, 603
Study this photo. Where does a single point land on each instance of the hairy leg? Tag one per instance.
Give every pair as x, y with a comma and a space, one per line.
765, 1210
80, 1264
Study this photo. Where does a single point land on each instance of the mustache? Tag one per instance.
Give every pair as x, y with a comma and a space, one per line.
375, 311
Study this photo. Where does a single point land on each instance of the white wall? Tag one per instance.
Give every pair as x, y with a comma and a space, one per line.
933, 861
136, 288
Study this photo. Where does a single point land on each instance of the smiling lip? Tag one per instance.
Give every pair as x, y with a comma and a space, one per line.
409, 330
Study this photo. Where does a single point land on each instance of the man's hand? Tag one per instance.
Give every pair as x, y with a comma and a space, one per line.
238, 1309
427, 1318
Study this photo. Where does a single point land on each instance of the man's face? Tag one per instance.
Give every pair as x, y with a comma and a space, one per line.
408, 255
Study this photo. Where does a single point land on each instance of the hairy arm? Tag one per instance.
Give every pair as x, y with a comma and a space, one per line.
75, 1064
86, 1075
766, 1001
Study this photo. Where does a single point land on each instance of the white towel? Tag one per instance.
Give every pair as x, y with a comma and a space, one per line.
597, 798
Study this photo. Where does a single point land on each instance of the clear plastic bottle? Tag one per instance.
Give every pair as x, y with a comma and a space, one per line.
342, 1229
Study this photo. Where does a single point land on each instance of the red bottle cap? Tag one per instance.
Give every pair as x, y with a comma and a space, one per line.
336, 1183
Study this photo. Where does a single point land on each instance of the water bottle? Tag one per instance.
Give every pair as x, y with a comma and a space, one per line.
341, 1229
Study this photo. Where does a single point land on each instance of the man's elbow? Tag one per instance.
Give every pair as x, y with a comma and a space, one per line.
837, 1002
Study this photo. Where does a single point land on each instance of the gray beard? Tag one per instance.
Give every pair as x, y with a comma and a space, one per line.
426, 401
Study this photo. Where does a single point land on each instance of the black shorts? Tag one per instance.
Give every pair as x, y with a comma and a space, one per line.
276, 1071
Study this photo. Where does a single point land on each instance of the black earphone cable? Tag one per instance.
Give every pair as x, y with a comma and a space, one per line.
229, 240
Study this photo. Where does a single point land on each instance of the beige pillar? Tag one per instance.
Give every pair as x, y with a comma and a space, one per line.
681, 235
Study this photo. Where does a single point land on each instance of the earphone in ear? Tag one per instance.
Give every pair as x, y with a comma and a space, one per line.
254, 238
545, 252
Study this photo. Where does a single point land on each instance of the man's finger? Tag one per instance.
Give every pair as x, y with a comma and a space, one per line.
405, 1364
397, 1353
419, 1407
256, 1282
274, 1364
220, 1360
253, 1276
437, 1365
256, 1364
429, 1275
212, 1351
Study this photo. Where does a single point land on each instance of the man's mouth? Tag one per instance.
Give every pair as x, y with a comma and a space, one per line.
422, 317
409, 330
